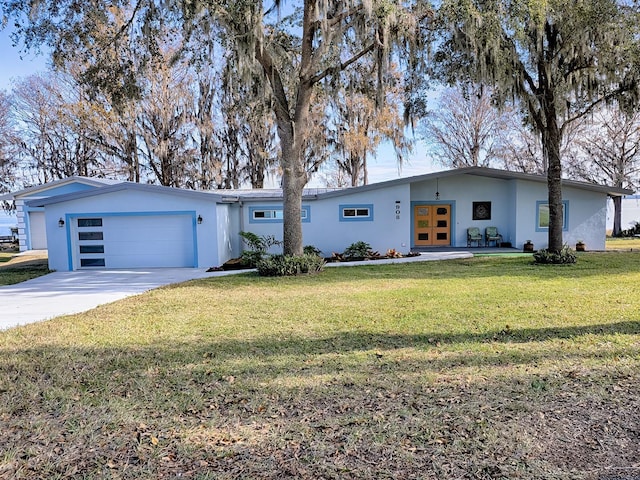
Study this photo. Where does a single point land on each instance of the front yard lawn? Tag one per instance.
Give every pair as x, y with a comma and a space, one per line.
624, 244
16, 270
483, 368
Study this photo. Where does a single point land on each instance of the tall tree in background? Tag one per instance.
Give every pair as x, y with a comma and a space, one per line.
610, 147
465, 128
164, 118
559, 58
7, 142
246, 135
361, 125
52, 143
519, 148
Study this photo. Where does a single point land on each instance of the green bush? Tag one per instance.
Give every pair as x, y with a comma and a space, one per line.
358, 250
289, 265
250, 258
258, 246
566, 256
630, 232
311, 250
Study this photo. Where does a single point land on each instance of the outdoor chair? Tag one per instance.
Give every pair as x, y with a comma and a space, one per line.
491, 235
473, 235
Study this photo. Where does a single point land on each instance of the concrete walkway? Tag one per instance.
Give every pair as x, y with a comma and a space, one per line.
64, 293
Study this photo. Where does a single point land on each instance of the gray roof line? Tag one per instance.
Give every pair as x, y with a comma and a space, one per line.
123, 186
95, 181
232, 196
479, 171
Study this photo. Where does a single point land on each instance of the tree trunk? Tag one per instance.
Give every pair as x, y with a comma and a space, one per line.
551, 138
293, 182
617, 216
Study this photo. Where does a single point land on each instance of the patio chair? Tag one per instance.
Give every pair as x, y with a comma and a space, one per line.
491, 235
473, 235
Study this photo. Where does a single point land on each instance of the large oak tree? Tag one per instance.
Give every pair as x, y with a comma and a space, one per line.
295, 53
559, 58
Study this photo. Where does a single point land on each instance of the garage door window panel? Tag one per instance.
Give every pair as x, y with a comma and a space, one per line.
92, 262
89, 222
87, 236
91, 248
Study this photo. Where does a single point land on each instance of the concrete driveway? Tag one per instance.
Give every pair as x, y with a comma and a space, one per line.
64, 293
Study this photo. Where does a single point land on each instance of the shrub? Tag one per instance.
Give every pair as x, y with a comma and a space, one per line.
630, 232
566, 256
250, 258
258, 245
358, 249
289, 265
311, 250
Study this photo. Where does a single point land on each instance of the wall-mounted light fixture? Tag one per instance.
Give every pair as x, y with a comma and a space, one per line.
199, 219
61, 222
437, 190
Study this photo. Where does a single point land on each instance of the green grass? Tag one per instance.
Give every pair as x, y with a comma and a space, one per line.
480, 369
624, 244
10, 276
15, 269
21, 271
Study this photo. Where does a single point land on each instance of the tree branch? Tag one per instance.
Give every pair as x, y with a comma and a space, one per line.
342, 66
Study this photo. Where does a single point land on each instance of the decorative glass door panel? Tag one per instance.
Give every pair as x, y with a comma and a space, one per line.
432, 225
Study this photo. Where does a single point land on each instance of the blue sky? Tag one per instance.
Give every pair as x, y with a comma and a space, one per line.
15, 64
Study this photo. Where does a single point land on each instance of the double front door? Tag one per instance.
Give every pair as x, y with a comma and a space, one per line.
431, 225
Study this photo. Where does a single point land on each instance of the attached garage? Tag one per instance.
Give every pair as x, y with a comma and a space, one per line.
132, 225
134, 240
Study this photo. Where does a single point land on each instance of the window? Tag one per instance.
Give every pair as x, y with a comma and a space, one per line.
542, 216
356, 213
267, 214
91, 248
275, 214
90, 236
89, 222
92, 262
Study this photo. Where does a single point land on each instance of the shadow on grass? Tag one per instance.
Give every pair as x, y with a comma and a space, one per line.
259, 354
122, 399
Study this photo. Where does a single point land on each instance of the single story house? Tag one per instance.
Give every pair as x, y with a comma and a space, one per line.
96, 224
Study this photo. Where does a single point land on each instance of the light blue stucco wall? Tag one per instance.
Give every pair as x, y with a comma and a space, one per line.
587, 218
228, 242
326, 231
133, 203
513, 211
586, 215
461, 192
514, 208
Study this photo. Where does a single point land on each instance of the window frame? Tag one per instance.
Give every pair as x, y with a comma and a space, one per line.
278, 213
355, 208
565, 215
